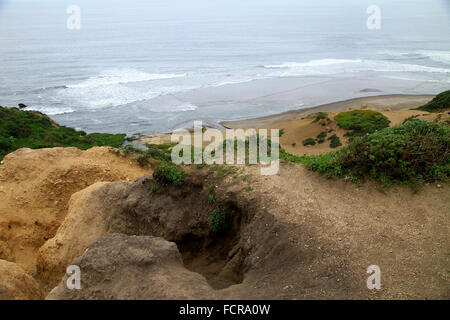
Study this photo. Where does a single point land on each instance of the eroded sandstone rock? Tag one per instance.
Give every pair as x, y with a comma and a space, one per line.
16, 284
118, 266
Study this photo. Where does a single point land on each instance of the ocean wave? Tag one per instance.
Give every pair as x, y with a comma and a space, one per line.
439, 56
435, 55
342, 66
235, 81
52, 111
183, 107
388, 66
105, 96
312, 63
122, 76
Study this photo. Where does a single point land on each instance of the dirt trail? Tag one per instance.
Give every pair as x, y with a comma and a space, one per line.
35, 187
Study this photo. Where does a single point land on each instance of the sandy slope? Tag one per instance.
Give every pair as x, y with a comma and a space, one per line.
298, 130
35, 187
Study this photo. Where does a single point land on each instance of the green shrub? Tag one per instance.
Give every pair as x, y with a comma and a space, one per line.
309, 142
410, 118
142, 160
105, 139
320, 116
217, 221
413, 153
324, 163
158, 153
335, 141
361, 122
440, 103
143, 157
168, 174
322, 135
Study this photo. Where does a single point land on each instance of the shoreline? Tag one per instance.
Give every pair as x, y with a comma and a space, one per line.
382, 103
392, 101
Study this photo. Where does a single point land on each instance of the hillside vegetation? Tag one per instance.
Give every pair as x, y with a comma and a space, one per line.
440, 103
32, 129
415, 152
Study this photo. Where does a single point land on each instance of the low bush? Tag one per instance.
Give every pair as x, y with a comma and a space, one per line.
361, 122
143, 157
322, 135
309, 142
217, 221
412, 153
168, 174
335, 141
320, 116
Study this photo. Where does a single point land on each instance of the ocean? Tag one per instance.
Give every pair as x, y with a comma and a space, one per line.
153, 66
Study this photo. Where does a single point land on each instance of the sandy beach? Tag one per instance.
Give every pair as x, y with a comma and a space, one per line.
299, 125
394, 102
